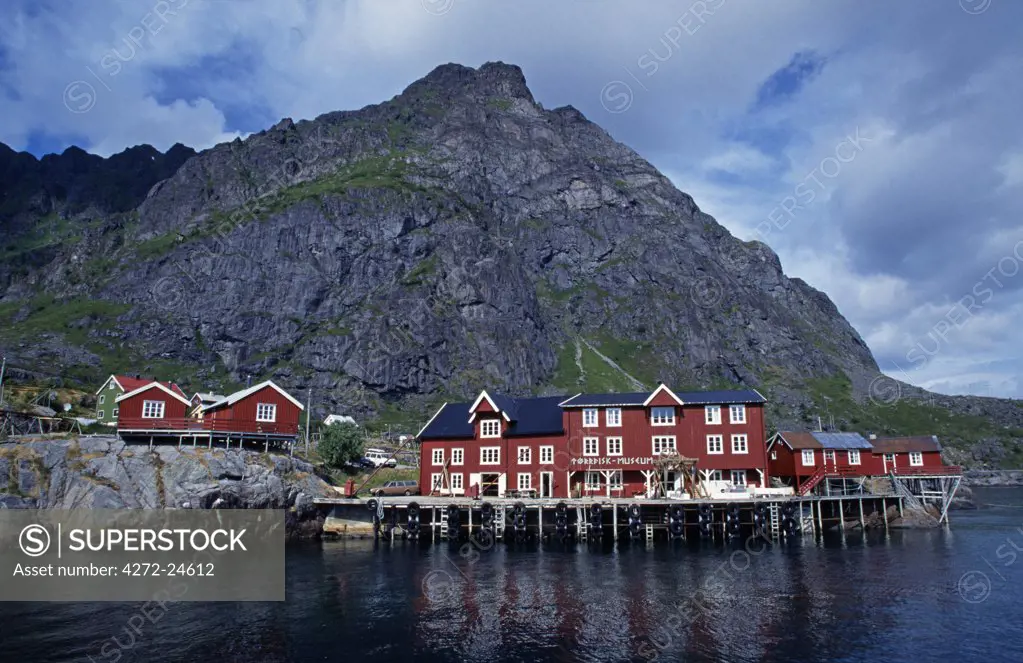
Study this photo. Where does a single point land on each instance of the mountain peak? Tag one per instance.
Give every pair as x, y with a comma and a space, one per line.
492, 79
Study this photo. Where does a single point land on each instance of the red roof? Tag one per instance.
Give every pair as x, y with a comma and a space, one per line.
130, 384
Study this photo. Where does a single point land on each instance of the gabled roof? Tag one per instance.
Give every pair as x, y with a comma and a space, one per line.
638, 399
819, 440
130, 383
207, 397
662, 387
245, 393
154, 385
532, 416
893, 445
501, 404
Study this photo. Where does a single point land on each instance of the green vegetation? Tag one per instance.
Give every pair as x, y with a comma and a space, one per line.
340, 444
596, 375
158, 246
49, 231
423, 268
48, 314
500, 104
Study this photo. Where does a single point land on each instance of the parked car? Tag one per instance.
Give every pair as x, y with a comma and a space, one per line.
362, 464
380, 457
397, 488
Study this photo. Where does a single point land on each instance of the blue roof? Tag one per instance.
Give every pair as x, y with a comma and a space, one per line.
530, 416
687, 397
842, 440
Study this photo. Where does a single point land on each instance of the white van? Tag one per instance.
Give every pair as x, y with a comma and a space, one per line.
380, 457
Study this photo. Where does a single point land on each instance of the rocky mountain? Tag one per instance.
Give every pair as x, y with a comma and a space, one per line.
458, 236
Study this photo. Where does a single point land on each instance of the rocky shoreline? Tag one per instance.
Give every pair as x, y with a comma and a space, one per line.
105, 473
993, 478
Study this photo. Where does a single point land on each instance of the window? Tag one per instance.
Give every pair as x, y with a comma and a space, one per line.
99, 414
436, 481
593, 481
916, 458
115, 412
546, 455
490, 428
525, 455
712, 414
591, 446
102, 398
774, 455
438, 456
739, 444
664, 445
737, 414
589, 417
717, 475
738, 477
458, 456
266, 412
614, 446
808, 457
613, 416
490, 455
456, 481
715, 444
152, 409
110, 385
614, 480
525, 481
854, 457
662, 416
829, 456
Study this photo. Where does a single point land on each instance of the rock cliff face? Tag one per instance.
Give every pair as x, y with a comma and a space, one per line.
458, 236
104, 473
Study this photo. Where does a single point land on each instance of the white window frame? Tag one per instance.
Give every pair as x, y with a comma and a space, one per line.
829, 456
657, 417
591, 417
102, 399
493, 452
712, 415
436, 482
153, 409
807, 454
438, 456
115, 412
591, 446
774, 454
266, 413
458, 456
111, 385
595, 483
490, 428
527, 457
715, 445
916, 459
614, 480
457, 481
738, 474
717, 475
100, 414
663, 445
853, 456
740, 443
614, 446
546, 455
613, 421
525, 481
737, 413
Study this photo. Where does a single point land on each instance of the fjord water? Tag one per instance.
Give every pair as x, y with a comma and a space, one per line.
909, 596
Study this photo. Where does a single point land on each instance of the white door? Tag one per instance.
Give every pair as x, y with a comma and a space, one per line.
474, 479
889, 463
502, 485
547, 484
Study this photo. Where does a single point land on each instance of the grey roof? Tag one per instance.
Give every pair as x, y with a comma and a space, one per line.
721, 397
842, 440
530, 416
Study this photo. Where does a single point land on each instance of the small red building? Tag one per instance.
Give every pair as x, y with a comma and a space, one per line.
263, 409
907, 455
592, 444
797, 457
151, 407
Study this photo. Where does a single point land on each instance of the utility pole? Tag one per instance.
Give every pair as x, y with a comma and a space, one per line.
3, 367
308, 418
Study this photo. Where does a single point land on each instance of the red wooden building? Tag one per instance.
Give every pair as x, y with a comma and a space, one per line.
798, 457
151, 407
264, 412
593, 444
908, 455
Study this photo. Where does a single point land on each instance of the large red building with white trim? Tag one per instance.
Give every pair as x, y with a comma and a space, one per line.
593, 444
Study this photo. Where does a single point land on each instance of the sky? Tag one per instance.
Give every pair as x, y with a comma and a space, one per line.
877, 147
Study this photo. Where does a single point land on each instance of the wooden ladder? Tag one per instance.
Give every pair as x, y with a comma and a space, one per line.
775, 521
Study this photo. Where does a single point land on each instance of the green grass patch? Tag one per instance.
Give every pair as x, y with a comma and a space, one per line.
424, 268
500, 104
597, 376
